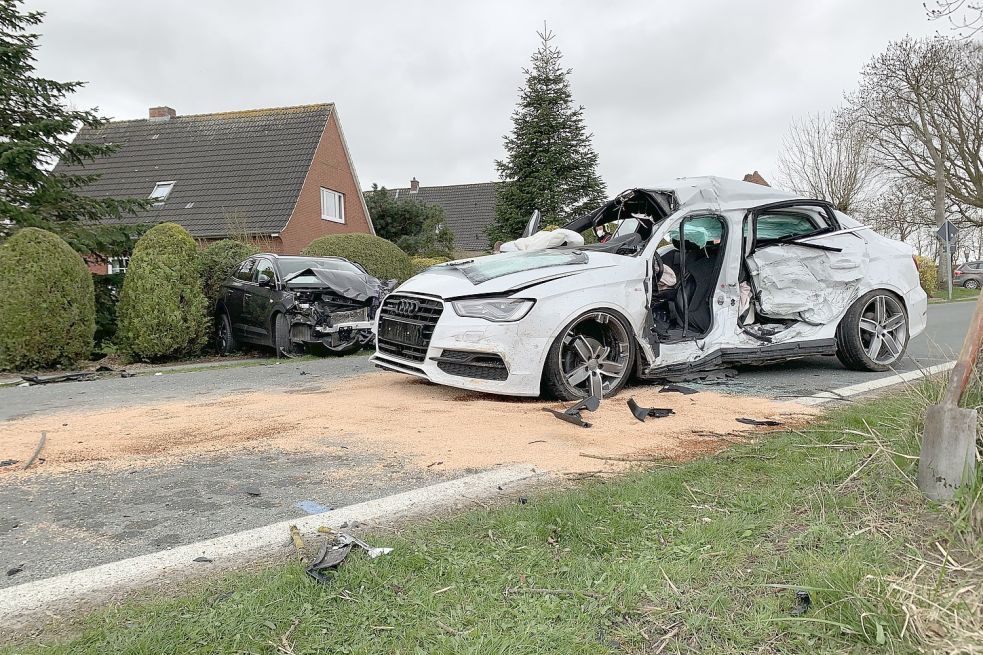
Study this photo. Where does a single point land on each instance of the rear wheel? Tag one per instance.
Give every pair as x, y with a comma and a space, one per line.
596, 348
971, 284
873, 334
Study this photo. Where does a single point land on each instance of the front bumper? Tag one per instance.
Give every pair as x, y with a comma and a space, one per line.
520, 348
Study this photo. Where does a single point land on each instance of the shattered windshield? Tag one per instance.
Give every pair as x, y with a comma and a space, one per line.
483, 269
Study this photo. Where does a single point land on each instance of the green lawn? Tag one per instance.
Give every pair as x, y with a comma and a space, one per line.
705, 557
958, 293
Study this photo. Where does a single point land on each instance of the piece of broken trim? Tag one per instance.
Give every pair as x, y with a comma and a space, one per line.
757, 422
372, 552
572, 414
677, 388
329, 557
802, 603
51, 379
642, 413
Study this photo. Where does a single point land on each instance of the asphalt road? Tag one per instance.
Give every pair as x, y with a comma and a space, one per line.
54, 523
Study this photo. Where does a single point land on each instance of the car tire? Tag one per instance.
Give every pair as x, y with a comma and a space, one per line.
281, 336
873, 334
971, 284
225, 341
594, 341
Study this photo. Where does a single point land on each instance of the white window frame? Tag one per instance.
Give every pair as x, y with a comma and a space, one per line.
117, 265
159, 200
330, 197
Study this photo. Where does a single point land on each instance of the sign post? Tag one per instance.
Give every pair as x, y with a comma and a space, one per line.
947, 234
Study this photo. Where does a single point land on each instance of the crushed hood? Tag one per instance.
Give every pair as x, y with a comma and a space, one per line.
356, 286
507, 272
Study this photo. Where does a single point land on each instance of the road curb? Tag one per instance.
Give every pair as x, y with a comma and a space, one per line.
61, 593
865, 387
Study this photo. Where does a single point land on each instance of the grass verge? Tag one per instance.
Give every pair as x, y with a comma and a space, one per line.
703, 557
958, 293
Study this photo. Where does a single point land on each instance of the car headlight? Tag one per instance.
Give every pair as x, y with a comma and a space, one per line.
499, 310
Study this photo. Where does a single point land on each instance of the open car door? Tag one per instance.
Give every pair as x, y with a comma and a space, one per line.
803, 266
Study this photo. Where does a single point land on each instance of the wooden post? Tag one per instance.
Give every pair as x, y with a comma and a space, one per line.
948, 453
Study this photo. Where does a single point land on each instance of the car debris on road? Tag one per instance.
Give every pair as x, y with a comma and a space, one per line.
642, 413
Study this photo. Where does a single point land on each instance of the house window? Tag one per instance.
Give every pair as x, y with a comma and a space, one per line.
332, 206
117, 265
160, 193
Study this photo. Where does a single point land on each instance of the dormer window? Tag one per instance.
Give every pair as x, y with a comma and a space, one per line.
160, 193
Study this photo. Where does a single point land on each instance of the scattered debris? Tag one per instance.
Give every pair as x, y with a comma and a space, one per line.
298, 542
85, 376
252, 491
304, 373
572, 414
642, 413
523, 500
124, 374
678, 388
103, 369
759, 423
311, 507
8, 462
328, 558
372, 552
802, 603
432, 464
14, 571
37, 451
156, 374
537, 441
203, 559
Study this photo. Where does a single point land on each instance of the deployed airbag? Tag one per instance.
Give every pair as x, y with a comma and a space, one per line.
545, 239
802, 283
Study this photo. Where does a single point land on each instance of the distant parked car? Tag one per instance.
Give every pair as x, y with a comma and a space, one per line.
969, 275
295, 303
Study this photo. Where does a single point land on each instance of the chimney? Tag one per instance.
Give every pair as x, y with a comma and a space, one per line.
756, 178
414, 185
162, 113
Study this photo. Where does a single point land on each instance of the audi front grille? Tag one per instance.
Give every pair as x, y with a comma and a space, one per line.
406, 325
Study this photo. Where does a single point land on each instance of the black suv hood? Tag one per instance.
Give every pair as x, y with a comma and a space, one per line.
357, 286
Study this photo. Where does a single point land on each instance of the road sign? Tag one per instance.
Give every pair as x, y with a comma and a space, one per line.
947, 232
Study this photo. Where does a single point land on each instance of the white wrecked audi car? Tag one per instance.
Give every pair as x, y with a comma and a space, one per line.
687, 276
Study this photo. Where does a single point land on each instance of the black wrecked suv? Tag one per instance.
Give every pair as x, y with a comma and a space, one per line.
298, 304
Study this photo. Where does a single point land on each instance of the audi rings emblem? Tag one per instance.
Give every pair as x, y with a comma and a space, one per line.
406, 307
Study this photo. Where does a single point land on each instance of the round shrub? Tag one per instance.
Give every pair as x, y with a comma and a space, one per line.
928, 274
217, 262
162, 309
46, 300
421, 264
379, 257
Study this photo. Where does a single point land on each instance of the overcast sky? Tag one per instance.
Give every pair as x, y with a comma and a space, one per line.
426, 89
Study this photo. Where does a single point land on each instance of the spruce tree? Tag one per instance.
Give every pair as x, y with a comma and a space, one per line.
550, 163
36, 125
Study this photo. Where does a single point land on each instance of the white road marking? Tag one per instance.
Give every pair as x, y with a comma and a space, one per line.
20, 605
880, 383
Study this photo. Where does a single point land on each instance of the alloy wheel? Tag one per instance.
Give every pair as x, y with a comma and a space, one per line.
883, 329
972, 284
595, 354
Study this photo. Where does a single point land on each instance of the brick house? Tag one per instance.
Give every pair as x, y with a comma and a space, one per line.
468, 209
281, 176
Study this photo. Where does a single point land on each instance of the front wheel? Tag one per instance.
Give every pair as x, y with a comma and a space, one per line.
281, 337
873, 334
596, 349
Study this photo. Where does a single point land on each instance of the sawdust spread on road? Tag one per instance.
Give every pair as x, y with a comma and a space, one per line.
390, 414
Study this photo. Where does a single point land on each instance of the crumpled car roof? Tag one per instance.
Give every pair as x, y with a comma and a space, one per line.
721, 192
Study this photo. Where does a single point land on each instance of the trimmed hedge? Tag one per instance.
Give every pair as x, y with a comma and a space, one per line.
46, 300
162, 309
421, 264
379, 257
217, 262
928, 274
